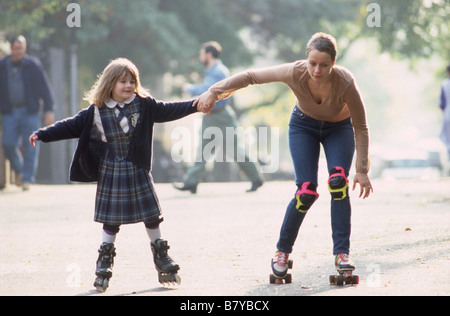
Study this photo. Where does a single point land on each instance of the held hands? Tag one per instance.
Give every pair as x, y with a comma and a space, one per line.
365, 185
33, 138
205, 102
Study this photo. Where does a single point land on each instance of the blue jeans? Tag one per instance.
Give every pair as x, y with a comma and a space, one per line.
338, 140
17, 128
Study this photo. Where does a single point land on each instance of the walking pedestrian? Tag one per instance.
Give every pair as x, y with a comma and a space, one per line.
23, 85
222, 116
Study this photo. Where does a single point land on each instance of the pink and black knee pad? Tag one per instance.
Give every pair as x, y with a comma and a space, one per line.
338, 184
306, 196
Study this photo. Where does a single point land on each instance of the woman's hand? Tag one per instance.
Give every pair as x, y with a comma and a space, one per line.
33, 138
205, 102
365, 185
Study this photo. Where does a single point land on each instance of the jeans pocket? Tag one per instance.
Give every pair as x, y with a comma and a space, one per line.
297, 113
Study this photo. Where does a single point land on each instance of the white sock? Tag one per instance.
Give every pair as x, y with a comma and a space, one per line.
153, 234
110, 239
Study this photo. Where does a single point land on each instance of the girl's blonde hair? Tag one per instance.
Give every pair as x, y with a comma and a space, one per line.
101, 91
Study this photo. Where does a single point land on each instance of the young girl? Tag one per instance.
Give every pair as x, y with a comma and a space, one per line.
114, 149
329, 111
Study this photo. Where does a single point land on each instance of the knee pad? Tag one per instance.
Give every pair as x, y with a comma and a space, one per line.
154, 224
112, 229
338, 184
306, 196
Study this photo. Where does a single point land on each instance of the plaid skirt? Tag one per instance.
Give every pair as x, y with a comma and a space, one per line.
125, 194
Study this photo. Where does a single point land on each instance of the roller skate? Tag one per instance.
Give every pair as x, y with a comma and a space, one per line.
280, 265
345, 268
105, 263
164, 264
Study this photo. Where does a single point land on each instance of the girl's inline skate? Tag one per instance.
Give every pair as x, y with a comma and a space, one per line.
105, 263
164, 264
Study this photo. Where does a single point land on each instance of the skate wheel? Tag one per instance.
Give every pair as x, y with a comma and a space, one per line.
273, 279
288, 279
290, 264
169, 279
177, 279
276, 280
101, 284
340, 280
332, 280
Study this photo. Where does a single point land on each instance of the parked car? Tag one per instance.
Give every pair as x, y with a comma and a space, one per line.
425, 166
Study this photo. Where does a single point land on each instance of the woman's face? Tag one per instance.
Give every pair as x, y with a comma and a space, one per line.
319, 65
124, 88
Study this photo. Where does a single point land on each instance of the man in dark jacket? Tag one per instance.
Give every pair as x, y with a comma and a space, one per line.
24, 86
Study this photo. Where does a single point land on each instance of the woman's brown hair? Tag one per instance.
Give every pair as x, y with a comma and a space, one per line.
324, 43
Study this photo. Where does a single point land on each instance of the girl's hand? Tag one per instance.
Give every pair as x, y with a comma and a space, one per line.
33, 139
364, 182
205, 102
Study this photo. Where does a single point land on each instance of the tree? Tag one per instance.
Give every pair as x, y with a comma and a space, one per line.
165, 35
172, 30
157, 36
413, 28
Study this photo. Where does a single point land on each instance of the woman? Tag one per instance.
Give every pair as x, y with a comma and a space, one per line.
329, 111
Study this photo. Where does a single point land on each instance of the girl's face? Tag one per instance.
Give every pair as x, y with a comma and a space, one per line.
124, 88
319, 65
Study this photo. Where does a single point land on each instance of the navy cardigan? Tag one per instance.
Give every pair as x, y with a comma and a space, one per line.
85, 164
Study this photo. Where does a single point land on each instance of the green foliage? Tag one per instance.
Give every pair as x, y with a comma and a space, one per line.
413, 28
17, 17
287, 25
159, 36
165, 35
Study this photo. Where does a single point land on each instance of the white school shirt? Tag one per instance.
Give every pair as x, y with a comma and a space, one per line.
111, 103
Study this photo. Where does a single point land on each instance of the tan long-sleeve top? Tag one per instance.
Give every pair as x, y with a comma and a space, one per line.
344, 100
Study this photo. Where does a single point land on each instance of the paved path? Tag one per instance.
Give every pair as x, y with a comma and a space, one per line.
224, 239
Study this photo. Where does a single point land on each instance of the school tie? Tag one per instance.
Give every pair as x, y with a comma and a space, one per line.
122, 112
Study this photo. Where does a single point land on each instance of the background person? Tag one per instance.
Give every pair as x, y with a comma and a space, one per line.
445, 106
23, 86
222, 116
